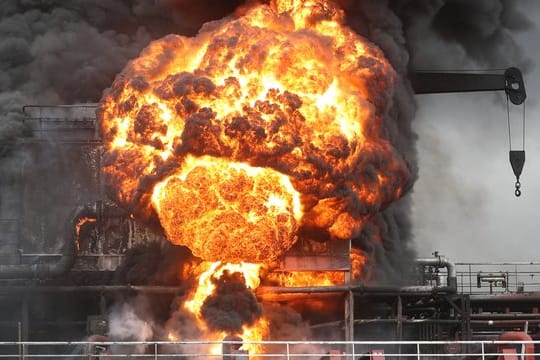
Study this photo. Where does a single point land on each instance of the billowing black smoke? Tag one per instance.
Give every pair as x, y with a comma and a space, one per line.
63, 52
231, 306
457, 33
425, 34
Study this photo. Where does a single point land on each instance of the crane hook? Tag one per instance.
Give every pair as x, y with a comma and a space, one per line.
517, 160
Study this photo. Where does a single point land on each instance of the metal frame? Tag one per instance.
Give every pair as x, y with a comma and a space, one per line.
309, 349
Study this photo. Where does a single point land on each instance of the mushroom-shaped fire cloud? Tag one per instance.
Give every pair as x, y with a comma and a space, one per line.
261, 128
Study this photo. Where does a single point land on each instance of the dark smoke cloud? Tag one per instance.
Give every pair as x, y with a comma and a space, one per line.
195, 13
58, 52
457, 33
156, 263
386, 239
287, 324
232, 304
65, 52
426, 34
62, 52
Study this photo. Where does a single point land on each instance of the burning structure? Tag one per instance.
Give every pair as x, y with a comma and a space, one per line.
258, 174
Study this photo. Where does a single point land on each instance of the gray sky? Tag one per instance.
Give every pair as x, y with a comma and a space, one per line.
464, 203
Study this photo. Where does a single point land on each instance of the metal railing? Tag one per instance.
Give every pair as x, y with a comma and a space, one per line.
498, 277
62, 123
316, 350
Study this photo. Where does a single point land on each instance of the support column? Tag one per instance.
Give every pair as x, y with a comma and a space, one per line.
349, 321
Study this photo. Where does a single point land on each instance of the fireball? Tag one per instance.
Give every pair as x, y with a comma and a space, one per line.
259, 127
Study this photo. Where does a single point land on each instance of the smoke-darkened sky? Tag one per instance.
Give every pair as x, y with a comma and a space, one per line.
464, 203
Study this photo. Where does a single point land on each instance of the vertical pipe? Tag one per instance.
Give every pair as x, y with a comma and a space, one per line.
155, 351
25, 324
470, 280
418, 351
288, 352
98, 160
102, 305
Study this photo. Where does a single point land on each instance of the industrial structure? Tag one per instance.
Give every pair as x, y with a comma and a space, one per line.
62, 241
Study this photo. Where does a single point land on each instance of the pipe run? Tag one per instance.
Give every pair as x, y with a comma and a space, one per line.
66, 260
357, 289
440, 261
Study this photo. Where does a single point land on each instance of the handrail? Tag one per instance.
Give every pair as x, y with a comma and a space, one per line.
280, 349
520, 277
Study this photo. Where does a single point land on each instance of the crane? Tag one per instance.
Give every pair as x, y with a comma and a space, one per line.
511, 81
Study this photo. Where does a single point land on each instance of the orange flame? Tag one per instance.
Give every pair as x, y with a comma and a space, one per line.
358, 260
225, 134
257, 128
291, 279
221, 200
78, 227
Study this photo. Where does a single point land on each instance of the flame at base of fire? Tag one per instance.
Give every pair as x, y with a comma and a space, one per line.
255, 331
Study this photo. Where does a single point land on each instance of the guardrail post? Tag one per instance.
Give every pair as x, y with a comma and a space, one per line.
418, 351
155, 351
483, 354
288, 352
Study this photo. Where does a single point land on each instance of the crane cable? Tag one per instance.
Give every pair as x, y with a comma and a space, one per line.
517, 157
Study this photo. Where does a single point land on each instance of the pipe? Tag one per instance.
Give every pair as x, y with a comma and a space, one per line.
441, 261
509, 316
357, 289
528, 346
66, 260
507, 323
532, 298
90, 288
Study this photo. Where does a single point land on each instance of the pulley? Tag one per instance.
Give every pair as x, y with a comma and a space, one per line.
515, 92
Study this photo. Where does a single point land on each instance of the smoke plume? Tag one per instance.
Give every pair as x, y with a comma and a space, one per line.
61, 52
231, 306
42, 43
